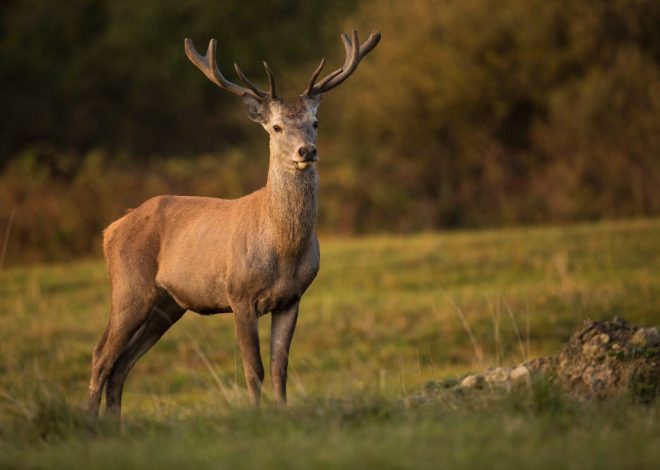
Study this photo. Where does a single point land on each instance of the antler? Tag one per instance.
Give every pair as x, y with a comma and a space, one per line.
354, 54
208, 65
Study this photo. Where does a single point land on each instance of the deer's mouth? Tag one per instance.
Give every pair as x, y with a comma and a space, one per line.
302, 164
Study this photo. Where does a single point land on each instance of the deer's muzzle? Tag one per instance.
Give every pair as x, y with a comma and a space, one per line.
307, 155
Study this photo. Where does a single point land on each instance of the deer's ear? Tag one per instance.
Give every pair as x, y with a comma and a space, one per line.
255, 109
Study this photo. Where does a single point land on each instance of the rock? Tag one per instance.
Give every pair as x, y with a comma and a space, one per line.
593, 351
603, 359
520, 374
497, 376
645, 338
620, 322
610, 358
473, 381
542, 365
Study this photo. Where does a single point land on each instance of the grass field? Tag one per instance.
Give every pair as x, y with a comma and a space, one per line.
386, 325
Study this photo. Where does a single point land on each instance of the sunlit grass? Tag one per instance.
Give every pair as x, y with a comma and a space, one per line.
385, 316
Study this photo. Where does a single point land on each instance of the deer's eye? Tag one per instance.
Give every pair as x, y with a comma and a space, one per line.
277, 128
316, 124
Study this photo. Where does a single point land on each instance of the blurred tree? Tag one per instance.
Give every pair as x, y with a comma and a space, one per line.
467, 118
469, 113
113, 74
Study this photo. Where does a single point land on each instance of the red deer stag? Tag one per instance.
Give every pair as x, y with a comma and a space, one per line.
250, 256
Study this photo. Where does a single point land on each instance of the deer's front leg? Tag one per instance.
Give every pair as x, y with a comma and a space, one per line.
282, 328
247, 332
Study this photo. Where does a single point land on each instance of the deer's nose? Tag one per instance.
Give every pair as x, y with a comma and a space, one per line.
307, 152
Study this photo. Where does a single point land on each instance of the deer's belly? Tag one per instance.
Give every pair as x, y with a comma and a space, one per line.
263, 281
202, 294
265, 299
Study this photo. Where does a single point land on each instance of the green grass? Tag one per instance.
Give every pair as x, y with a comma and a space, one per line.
385, 324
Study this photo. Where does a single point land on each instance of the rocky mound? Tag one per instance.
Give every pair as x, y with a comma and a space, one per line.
602, 359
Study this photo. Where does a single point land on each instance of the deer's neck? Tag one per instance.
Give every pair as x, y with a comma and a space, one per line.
291, 205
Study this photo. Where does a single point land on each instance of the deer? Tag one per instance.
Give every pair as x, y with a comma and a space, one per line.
249, 256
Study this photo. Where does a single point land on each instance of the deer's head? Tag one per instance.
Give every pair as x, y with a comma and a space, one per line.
292, 126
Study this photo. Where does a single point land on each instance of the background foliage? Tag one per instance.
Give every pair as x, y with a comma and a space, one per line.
469, 113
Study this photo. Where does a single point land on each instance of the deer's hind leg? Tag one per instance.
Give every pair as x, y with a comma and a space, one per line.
132, 301
162, 316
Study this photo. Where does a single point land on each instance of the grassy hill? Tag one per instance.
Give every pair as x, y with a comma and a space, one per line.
385, 323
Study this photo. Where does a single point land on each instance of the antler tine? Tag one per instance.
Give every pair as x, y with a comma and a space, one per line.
348, 48
354, 54
367, 46
352, 48
315, 75
257, 91
321, 85
271, 81
209, 67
